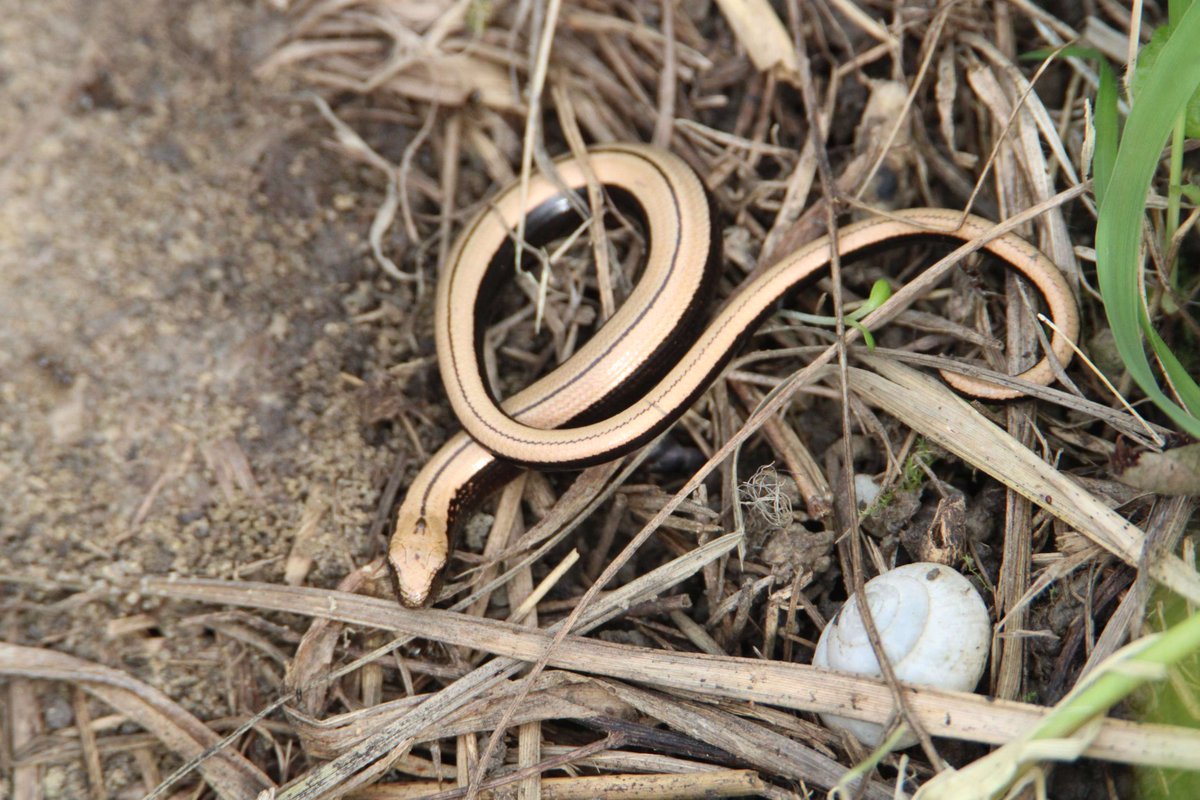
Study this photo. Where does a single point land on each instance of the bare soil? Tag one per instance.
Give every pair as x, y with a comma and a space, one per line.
181, 267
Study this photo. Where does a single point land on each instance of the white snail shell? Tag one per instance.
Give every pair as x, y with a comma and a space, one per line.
934, 628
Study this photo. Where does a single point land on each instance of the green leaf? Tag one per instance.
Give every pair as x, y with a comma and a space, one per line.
1147, 69
1070, 51
1107, 131
1119, 227
868, 338
1184, 383
1176, 9
881, 290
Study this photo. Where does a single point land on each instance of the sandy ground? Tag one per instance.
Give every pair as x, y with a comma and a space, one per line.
191, 335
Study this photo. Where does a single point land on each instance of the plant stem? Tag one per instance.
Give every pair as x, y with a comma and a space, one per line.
1174, 193
1121, 679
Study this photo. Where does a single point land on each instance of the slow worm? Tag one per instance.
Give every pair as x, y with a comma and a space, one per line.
646, 365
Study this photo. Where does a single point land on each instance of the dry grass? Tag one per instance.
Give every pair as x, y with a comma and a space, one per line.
671, 660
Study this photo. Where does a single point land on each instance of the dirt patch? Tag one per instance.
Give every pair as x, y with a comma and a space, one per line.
180, 267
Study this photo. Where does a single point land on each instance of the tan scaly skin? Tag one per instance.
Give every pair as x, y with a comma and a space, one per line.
638, 365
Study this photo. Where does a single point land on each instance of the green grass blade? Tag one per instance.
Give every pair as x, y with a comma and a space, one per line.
1067, 51
1113, 684
1180, 378
1119, 228
1177, 8
1105, 116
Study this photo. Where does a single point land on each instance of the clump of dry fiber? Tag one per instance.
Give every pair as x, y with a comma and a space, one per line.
687, 676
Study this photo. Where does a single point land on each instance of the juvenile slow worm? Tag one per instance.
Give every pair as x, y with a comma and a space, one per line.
647, 364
